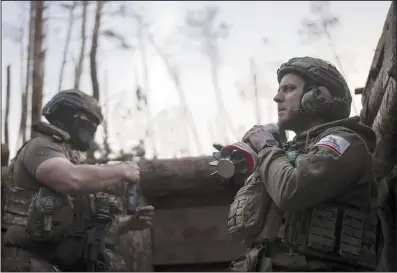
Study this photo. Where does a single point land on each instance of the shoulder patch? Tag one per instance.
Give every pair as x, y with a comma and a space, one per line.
335, 143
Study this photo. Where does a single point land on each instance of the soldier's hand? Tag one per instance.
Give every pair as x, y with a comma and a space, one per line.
142, 220
257, 135
131, 171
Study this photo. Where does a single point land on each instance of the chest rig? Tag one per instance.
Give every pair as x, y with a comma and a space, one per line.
45, 214
328, 231
331, 232
71, 226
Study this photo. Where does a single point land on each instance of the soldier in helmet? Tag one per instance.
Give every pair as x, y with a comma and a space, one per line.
308, 204
55, 213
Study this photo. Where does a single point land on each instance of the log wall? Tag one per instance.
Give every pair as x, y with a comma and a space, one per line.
379, 97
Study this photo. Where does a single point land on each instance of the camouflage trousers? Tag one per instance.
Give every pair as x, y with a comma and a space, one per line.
116, 262
15, 259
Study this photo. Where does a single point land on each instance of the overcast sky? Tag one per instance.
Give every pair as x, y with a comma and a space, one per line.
355, 39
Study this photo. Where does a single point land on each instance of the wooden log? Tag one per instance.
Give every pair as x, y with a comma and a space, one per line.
359, 91
385, 127
381, 67
385, 123
178, 177
390, 42
375, 98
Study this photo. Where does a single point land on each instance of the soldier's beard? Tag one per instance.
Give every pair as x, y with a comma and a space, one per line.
294, 120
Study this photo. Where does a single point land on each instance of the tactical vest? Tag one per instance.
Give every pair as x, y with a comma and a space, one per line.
326, 232
72, 236
18, 200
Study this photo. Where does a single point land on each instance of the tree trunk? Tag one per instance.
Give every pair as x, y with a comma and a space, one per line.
106, 117
79, 66
38, 65
67, 43
5, 153
22, 51
7, 115
93, 64
94, 48
29, 62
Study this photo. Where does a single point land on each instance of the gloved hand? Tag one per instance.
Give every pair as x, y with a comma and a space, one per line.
142, 220
258, 135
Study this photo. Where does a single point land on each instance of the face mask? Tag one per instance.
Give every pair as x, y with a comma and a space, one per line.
83, 134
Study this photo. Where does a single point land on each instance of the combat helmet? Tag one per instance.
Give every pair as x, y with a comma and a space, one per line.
73, 101
324, 78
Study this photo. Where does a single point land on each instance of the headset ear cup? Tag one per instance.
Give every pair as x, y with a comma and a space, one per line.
318, 100
308, 104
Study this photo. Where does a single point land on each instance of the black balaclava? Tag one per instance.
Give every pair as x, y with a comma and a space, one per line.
81, 131
82, 134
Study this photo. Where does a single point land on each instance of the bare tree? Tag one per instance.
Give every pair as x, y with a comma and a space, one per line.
17, 34
93, 65
94, 49
106, 145
322, 26
22, 50
203, 26
7, 115
175, 76
79, 66
24, 133
255, 85
38, 63
71, 7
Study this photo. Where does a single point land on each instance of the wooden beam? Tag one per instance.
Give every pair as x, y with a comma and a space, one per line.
359, 91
